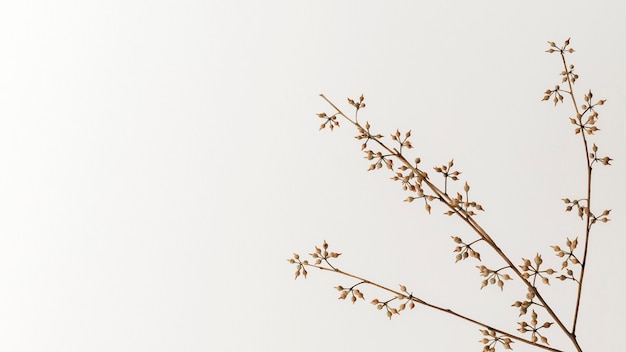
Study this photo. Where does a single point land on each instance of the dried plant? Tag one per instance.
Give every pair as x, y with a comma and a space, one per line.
422, 188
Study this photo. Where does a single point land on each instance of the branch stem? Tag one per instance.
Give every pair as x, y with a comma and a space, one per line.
588, 201
436, 307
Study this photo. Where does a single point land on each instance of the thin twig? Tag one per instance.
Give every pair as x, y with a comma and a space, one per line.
588, 202
441, 309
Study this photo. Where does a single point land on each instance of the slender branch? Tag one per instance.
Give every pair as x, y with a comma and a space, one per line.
588, 205
441, 309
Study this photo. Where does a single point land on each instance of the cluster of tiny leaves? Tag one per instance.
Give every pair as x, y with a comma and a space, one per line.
582, 209
493, 276
357, 105
524, 305
569, 257
406, 299
331, 121
464, 250
352, 291
458, 201
605, 160
534, 328
592, 117
555, 93
320, 254
531, 270
490, 340
301, 265
406, 180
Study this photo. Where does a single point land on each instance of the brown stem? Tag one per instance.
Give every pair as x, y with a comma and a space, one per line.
588, 212
441, 309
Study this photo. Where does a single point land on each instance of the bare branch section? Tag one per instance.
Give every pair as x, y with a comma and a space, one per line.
442, 189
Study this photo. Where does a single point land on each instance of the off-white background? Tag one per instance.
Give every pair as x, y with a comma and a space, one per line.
160, 161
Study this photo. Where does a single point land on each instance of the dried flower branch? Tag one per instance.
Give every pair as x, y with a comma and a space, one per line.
585, 121
402, 299
415, 180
